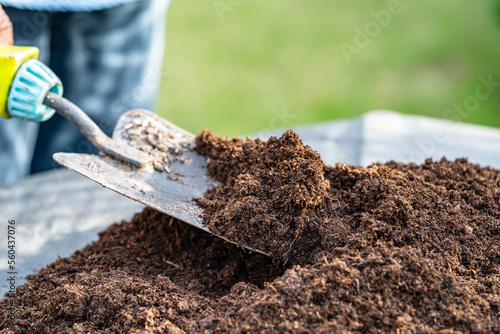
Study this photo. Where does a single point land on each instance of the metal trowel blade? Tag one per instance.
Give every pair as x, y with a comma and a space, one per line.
170, 195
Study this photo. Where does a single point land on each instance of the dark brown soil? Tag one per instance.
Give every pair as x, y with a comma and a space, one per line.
152, 273
275, 196
280, 198
387, 249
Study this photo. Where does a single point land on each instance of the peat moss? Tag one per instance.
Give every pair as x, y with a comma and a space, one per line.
391, 248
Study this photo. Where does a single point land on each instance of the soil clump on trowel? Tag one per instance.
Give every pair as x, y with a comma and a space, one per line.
392, 248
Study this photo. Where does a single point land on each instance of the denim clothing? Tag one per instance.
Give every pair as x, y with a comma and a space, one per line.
64, 5
109, 61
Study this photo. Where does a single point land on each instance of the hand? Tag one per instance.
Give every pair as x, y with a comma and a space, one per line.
6, 30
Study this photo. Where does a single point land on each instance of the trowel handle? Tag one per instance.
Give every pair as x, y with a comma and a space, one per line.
36, 94
31, 84
11, 58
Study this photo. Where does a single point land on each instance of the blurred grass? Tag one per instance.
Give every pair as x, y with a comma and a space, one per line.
232, 75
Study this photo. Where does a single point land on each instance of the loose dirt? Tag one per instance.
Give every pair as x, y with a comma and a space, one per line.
154, 136
392, 248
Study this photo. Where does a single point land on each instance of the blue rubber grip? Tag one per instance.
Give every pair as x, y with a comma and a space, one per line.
31, 84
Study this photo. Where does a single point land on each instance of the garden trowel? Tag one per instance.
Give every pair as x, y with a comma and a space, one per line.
31, 91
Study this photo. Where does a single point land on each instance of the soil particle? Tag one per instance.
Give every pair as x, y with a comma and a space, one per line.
164, 144
392, 248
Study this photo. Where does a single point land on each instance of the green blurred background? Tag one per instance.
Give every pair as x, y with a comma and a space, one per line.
240, 66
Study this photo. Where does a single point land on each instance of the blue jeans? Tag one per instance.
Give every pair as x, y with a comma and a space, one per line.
109, 61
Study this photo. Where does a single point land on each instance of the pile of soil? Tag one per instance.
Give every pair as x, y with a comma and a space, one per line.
275, 195
279, 197
392, 248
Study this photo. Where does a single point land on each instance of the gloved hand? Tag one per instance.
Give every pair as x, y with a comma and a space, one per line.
6, 30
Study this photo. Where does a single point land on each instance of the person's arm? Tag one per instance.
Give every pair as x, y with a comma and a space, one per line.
6, 30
